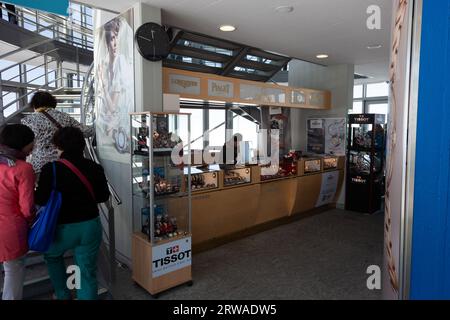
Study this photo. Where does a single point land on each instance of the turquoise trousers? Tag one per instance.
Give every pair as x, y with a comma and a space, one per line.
84, 239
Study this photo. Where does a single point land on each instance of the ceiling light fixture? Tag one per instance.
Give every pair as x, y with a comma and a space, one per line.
374, 46
322, 56
227, 28
284, 9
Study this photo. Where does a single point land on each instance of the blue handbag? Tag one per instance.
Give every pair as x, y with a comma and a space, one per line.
42, 232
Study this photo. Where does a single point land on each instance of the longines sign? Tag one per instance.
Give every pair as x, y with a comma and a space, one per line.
184, 84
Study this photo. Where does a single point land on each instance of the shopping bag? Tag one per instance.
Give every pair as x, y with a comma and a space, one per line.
42, 232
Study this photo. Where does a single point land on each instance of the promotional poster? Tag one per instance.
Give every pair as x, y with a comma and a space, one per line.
114, 86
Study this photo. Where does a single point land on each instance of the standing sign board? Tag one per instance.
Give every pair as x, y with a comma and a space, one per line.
60, 7
328, 188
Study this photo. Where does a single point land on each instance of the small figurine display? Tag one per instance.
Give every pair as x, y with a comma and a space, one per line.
163, 187
141, 144
165, 140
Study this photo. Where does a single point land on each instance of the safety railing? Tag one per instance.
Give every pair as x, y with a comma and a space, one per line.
69, 30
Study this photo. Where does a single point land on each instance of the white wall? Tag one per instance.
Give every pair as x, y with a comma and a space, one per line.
338, 79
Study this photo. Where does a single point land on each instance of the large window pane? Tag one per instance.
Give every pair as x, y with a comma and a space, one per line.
196, 128
378, 108
357, 108
12, 74
9, 97
377, 90
249, 132
216, 127
358, 92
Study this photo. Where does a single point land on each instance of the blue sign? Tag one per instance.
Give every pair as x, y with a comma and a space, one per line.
53, 6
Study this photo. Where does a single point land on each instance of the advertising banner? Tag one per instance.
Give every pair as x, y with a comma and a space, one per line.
171, 256
113, 59
60, 7
326, 136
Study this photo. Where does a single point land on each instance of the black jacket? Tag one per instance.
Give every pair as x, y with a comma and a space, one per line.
77, 203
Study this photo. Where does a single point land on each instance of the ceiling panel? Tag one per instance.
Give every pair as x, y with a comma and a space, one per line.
335, 27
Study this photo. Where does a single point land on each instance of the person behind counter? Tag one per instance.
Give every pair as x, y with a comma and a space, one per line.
231, 146
79, 228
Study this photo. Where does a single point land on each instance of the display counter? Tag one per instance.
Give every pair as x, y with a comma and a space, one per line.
253, 195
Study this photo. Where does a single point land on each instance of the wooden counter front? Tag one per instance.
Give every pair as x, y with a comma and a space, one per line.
220, 213
276, 200
228, 210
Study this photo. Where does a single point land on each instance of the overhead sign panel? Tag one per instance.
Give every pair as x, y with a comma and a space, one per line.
53, 6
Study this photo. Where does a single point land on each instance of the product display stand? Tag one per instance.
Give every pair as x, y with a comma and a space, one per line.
365, 162
161, 182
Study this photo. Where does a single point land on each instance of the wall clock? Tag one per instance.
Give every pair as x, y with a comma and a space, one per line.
152, 41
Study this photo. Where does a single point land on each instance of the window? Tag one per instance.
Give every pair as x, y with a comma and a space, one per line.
357, 107
9, 97
379, 108
248, 129
358, 92
196, 128
216, 127
377, 90
371, 98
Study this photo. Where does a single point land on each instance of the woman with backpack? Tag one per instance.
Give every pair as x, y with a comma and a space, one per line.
82, 184
17, 181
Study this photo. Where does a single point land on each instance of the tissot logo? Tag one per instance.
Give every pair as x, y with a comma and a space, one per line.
174, 249
172, 257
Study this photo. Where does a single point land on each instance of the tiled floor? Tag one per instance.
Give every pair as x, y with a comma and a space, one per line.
321, 257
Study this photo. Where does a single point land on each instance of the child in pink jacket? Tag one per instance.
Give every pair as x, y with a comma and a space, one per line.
17, 181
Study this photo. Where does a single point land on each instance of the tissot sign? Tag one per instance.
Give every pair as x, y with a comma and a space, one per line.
171, 256
54, 6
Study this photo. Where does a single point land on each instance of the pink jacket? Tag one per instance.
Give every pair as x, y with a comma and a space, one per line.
16, 209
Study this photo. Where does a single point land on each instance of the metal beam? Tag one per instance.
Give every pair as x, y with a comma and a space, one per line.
200, 54
237, 58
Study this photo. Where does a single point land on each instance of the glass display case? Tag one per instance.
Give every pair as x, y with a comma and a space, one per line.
312, 166
236, 176
365, 165
330, 163
160, 198
203, 178
286, 168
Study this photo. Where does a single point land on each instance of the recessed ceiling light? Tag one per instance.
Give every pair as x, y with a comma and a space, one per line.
322, 56
227, 28
284, 9
374, 46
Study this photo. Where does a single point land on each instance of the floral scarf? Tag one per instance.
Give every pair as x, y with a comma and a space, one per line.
9, 156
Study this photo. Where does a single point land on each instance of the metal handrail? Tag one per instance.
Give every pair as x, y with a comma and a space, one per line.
49, 18
28, 70
57, 23
23, 61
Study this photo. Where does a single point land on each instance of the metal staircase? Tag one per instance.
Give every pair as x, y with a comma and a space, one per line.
43, 64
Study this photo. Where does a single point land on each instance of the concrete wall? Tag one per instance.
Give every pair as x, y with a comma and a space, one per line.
338, 79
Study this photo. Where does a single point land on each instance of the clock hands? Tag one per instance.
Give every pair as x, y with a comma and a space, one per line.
150, 40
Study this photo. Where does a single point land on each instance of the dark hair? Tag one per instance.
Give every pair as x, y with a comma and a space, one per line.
111, 27
43, 99
16, 136
70, 140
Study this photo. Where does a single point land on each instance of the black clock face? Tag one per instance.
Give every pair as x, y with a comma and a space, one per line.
152, 41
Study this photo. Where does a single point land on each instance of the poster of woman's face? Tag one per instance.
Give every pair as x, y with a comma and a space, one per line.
114, 74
